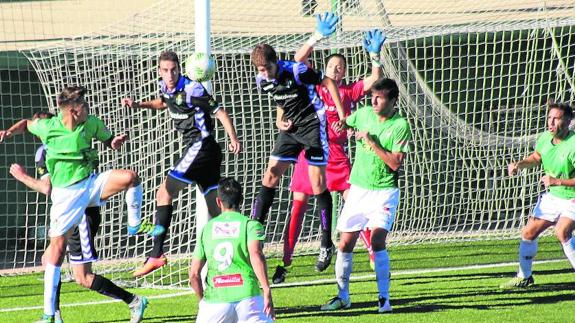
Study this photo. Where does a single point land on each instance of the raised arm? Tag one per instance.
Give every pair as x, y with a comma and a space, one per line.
258, 262
325, 26
18, 128
235, 146
372, 42
156, 104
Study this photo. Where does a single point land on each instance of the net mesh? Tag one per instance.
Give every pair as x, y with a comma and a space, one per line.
474, 81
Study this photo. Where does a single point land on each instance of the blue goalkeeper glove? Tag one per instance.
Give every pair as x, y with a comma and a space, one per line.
373, 41
326, 24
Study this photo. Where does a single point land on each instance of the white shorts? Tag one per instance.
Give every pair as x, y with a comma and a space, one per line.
247, 310
368, 209
69, 203
550, 208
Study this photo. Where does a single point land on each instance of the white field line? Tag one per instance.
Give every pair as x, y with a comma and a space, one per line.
306, 283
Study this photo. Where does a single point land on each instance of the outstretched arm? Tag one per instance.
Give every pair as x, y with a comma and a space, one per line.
325, 26
530, 161
18, 128
156, 104
258, 262
235, 145
372, 42
42, 185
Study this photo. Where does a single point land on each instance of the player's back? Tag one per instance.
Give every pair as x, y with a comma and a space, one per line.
224, 244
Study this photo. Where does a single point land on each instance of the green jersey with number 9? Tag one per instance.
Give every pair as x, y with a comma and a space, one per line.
224, 246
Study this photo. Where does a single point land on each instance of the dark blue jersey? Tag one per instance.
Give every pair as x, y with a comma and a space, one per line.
190, 107
294, 91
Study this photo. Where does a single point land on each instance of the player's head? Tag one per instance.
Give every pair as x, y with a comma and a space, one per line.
265, 59
384, 94
335, 67
43, 115
71, 102
229, 194
169, 68
559, 118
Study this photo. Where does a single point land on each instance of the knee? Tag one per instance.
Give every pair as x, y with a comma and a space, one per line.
132, 179
528, 234
83, 279
563, 234
271, 177
163, 197
346, 245
377, 245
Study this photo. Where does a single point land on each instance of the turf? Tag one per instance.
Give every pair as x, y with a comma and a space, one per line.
470, 295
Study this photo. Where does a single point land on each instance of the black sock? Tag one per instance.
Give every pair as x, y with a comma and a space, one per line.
163, 217
106, 287
58, 295
262, 204
324, 205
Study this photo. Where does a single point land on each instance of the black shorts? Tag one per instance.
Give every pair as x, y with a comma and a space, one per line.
200, 164
311, 138
81, 245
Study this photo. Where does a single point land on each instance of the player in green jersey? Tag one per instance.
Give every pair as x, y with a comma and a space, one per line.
555, 151
382, 141
75, 185
231, 246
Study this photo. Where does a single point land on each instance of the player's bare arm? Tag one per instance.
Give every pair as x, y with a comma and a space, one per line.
372, 42
391, 159
235, 145
194, 274
116, 142
530, 161
156, 104
258, 262
18, 128
281, 123
42, 185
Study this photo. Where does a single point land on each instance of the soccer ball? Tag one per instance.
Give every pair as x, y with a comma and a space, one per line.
200, 67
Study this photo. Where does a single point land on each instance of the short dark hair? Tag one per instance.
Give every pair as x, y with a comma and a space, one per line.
340, 56
43, 115
230, 193
388, 86
565, 107
71, 96
263, 54
169, 55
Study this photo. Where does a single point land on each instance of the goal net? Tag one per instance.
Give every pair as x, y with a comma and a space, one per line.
474, 81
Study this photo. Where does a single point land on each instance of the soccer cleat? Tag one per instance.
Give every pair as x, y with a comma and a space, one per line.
137, 308
146, 227
518, 282
324, 258
151, 265
335, 304
384, 306
58, 317
46, 319
279, 275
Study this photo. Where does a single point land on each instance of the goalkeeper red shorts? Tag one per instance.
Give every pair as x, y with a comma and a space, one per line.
337, 172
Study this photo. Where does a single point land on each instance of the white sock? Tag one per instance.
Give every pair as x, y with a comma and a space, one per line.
343, 265
134, 203
569, 249
527, 251
51, 280
382, 272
